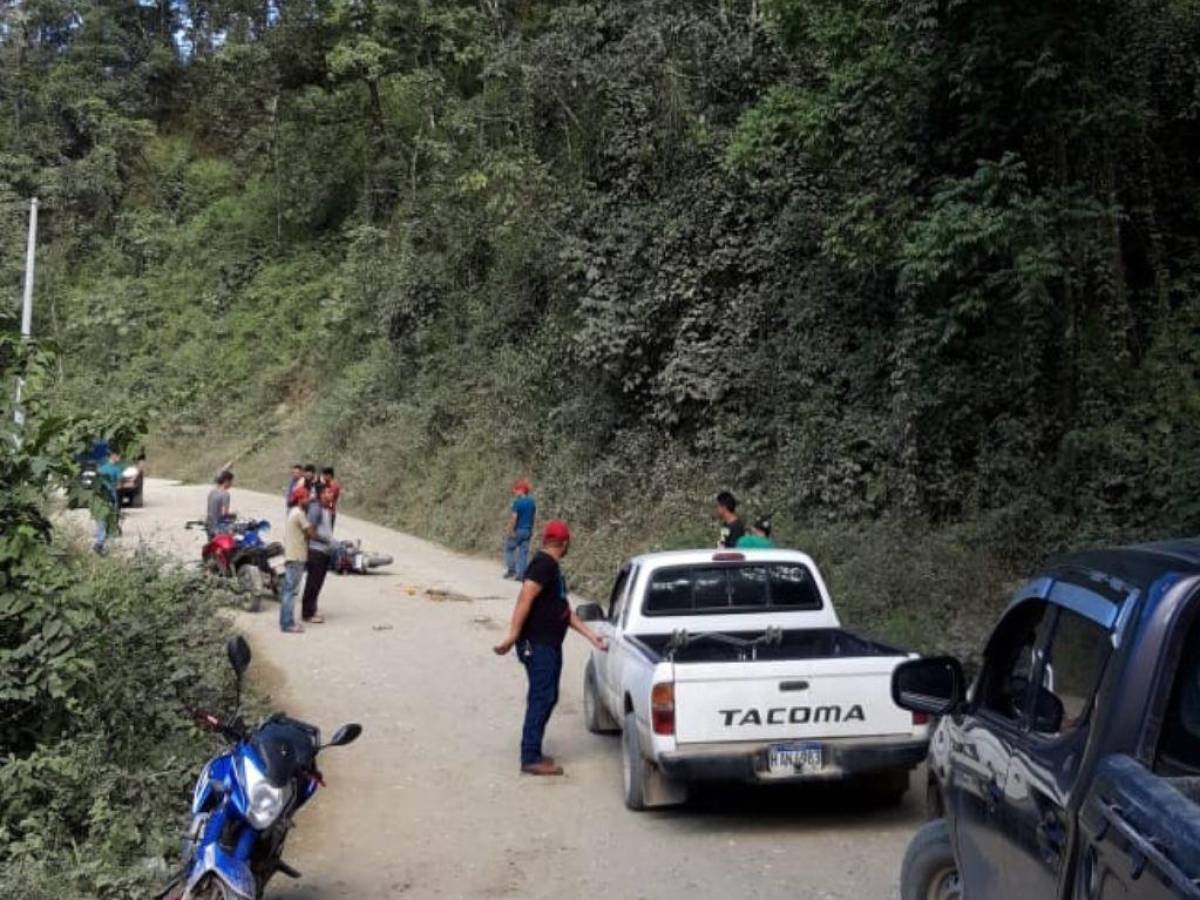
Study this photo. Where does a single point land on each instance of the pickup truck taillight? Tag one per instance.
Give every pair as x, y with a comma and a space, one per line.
920, 718
662, 708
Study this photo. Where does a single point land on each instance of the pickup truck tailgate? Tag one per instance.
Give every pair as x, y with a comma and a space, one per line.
786, 699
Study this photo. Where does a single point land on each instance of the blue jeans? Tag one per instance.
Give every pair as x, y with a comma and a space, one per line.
293, 571
516, 552
543, 665
101, 541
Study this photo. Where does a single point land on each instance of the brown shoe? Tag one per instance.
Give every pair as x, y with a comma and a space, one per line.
542, 767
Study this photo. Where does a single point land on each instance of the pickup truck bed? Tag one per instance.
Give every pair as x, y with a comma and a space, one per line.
814, 643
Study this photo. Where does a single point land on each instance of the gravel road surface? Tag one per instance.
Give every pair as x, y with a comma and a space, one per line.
429, 802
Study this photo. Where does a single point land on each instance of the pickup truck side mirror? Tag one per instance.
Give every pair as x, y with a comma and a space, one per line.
590, 612
935, 685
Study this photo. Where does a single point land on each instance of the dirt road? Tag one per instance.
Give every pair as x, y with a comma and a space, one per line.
429, 803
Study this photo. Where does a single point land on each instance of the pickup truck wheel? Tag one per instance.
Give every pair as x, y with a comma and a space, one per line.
634, 767
929, 871
595, 716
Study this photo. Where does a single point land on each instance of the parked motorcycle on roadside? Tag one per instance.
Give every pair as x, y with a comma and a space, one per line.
245, 799
242, 553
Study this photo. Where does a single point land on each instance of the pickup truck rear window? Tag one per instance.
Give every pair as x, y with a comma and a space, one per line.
729, 589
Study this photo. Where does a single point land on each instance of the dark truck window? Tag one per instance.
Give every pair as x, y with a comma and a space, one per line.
1010, 658
731, 589
1179, 746
1074, 663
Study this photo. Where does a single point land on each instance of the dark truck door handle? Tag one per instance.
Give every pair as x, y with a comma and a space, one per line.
1144, 850
793, 685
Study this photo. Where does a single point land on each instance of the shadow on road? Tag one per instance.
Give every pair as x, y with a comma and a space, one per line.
741, 807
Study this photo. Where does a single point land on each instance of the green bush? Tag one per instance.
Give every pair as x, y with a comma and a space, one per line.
99, 661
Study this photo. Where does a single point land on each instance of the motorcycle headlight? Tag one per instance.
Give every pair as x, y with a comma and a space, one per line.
130, 472
264, 801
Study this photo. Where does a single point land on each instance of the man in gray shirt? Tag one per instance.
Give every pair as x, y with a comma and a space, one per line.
217, 510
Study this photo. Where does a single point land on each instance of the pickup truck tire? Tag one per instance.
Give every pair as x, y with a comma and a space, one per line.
645, 785
929, 871
635, 770
595, 716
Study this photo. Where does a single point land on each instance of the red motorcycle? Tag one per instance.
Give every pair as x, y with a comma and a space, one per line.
241, 553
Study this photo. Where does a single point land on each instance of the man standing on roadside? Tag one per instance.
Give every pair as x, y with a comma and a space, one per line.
759, 537
539, 626
293, 480
519, 531
296, 532
732, 528
331, 492
320, 548
216, 509
108, 475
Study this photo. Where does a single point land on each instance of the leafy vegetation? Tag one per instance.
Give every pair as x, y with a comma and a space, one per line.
919, 276
99, 660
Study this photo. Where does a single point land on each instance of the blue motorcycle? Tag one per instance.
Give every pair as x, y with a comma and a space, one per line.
245, 798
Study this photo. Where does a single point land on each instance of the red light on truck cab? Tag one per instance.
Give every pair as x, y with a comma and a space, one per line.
662, 708
729, 557
920, 718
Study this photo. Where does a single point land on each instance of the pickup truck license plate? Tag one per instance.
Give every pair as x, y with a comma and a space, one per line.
795, 758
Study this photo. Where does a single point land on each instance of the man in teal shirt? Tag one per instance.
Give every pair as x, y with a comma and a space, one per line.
759, 537
108, 476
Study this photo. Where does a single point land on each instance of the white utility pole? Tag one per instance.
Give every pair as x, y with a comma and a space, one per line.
27, 301
30, 259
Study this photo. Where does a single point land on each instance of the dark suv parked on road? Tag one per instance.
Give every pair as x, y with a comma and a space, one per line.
1071, 769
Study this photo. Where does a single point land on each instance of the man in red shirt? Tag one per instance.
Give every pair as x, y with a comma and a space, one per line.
330, 494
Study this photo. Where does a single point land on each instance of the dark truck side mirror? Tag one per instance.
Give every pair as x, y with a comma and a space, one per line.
590, 612
935, 685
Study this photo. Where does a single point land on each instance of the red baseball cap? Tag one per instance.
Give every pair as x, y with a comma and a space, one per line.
556, 532
299, 496
522, 486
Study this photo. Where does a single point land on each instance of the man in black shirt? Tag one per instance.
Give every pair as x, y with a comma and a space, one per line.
539, 625
732, 528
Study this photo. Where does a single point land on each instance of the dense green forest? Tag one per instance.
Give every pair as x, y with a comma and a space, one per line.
922, 277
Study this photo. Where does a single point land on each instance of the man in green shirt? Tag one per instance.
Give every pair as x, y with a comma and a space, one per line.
759, 537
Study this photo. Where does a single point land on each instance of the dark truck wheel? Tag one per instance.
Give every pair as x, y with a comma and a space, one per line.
138, 500
595, 716
929, 871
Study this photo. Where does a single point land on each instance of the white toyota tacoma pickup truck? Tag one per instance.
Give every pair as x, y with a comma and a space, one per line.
732, 665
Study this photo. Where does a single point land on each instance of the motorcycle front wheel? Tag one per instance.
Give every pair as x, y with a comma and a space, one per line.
212, 889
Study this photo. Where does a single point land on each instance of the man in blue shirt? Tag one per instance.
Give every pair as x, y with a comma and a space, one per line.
520, 529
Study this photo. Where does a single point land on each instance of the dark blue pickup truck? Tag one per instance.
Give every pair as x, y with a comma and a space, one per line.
1071, 767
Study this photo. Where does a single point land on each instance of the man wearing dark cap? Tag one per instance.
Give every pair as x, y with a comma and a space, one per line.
539, 626
732, 528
